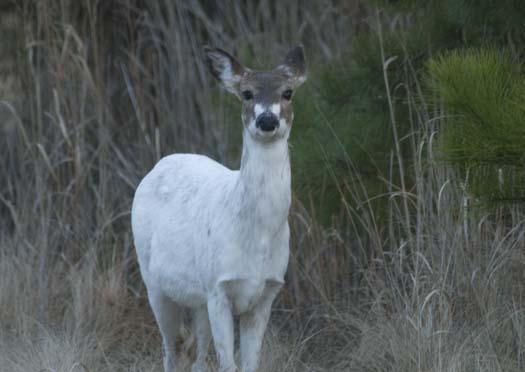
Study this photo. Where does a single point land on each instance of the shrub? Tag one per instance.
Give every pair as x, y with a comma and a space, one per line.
484, 93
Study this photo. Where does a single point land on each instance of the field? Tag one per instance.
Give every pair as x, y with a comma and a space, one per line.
396, 264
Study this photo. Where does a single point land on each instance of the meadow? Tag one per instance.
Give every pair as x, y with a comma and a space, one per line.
399, 261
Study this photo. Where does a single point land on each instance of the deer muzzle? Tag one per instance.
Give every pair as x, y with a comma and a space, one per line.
267, 122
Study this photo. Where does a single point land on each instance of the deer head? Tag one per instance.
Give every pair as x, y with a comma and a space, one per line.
266, 96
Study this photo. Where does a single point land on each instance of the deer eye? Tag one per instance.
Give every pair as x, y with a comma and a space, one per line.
287, 94
247, 94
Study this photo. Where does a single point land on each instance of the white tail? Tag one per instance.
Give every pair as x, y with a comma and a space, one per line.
215, 240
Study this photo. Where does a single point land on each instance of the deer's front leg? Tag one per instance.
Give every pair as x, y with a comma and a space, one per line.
253, 324
221, 323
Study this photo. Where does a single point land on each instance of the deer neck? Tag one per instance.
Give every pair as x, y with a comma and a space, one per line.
264, 182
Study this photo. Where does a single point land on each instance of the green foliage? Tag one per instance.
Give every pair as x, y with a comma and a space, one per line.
341, 128
473, 22
343, 132
488, 20
484, 93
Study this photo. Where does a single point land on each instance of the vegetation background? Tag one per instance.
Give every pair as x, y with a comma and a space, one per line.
408, 160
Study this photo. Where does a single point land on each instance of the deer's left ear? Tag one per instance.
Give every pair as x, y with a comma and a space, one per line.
294, 65
225, 68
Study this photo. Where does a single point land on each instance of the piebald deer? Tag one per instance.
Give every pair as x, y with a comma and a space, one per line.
215, 240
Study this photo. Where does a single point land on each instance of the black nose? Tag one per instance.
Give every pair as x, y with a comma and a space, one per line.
267, 122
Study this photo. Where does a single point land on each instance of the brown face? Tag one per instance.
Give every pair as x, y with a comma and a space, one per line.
267, 103
266, 96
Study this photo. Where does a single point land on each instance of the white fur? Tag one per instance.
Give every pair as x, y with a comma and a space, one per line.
215, 241
258, 109
228, 78
299, 78
276, 109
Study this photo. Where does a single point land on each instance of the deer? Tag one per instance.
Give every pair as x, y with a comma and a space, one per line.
213, 241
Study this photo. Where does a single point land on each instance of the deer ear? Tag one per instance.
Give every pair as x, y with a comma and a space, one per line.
225, 68
294, 65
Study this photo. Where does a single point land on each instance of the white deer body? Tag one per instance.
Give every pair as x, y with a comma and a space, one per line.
201, 224
216, 241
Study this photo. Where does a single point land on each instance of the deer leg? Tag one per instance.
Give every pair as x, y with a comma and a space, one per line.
168, 316
201, 327
221, 323
252, 326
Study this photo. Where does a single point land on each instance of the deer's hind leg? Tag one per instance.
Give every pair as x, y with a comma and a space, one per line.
169, 316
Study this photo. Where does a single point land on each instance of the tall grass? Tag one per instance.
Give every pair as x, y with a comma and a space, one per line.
108, 88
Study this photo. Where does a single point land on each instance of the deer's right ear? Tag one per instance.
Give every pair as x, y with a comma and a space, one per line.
225, 68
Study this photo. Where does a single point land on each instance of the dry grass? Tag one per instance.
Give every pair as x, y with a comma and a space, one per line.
108, 89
